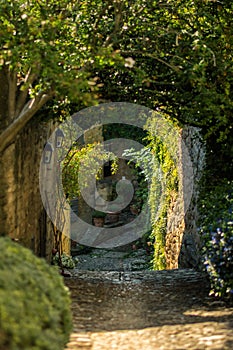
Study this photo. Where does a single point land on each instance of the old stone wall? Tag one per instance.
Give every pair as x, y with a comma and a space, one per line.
22, 215
191, 245
182, 239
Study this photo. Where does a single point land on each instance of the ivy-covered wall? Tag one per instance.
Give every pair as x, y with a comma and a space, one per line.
177, 167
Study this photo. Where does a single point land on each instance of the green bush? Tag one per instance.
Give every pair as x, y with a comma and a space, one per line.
34, 303
66, 261
217, 235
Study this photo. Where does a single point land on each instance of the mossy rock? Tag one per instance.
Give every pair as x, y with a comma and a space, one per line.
34, 302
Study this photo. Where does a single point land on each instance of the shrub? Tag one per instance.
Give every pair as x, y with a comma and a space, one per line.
67, 261
217, 235
34, 303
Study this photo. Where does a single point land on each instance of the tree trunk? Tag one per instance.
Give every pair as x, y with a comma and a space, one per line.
3, 125
3, 100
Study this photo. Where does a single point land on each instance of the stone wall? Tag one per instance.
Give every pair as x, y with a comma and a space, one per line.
182, 239
191, 245
22, 214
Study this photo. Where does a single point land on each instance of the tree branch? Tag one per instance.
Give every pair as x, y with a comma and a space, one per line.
12, 83
118, 11
9, 134
29, 80
150, 55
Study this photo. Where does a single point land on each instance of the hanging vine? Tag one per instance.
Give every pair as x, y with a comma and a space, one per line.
164, 183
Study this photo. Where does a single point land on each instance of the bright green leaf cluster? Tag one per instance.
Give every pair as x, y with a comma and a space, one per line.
164, 183
82, 164
34, 303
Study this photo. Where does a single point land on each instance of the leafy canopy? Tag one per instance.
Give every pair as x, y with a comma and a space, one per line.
170, 55
47, 43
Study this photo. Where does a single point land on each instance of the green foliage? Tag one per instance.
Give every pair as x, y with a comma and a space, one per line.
182, 64
216, 228
81, 164
66, 261
48, 44
110, 51
34, 303
141, 161
98, 214
126, 131
157, 165
164, 183
172, 56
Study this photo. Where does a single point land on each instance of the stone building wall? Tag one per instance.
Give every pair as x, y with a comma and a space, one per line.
22, 214
182, 239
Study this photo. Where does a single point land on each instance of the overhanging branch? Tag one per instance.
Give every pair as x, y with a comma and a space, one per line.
9, 134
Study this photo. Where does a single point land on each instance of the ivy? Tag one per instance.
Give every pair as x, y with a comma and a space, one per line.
164, 184
82, 164
157, 164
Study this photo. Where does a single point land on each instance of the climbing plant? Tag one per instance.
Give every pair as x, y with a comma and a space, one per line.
157, 165
164, 183
82, 164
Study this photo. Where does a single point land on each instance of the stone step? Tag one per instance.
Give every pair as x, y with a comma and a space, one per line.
163, 278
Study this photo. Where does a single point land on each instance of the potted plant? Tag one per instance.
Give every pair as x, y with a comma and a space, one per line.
113, 214
98, 218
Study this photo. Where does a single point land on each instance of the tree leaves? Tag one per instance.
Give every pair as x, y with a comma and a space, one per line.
180, 54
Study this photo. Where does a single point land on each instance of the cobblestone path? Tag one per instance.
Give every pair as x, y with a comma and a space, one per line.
145, 310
